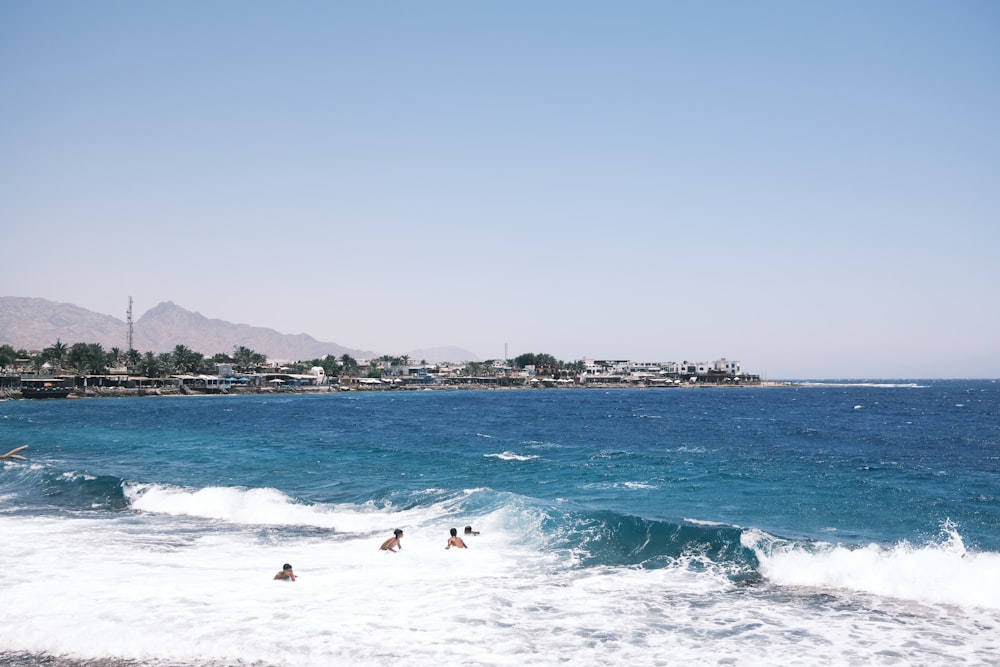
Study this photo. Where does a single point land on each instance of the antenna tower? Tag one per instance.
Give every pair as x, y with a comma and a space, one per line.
129, 319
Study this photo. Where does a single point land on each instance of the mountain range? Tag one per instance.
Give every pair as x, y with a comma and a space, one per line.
34, 324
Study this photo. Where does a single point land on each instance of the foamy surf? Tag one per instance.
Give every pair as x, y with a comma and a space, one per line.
158, 593
270, 507
942, 572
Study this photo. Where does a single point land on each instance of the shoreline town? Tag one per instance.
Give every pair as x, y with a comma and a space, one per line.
384, 375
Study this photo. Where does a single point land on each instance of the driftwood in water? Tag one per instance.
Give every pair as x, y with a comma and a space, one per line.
13, 454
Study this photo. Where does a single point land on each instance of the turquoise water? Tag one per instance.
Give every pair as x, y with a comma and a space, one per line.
817, 503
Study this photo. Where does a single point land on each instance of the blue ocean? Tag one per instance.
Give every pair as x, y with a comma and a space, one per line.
836, 523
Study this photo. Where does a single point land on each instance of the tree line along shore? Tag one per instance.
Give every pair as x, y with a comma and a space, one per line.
86, 369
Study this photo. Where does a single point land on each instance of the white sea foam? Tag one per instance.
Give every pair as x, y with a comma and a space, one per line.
270, 507
618, 485
943, 572
138, 589
511, 456
73, 475
700, 522
541, 444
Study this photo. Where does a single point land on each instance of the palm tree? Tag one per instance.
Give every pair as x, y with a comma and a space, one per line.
186, 360
88, 358
246, 359
166, 362
132, 358
98, 359
56, 354
149, 365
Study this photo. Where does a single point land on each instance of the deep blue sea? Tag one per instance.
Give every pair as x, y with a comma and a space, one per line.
838, 523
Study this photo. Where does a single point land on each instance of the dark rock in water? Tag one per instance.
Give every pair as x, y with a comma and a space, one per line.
747, 579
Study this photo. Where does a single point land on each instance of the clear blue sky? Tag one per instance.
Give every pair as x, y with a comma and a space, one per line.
812, 188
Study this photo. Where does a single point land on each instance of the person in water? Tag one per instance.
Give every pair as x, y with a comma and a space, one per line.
286, 573
469, 531
455, 540
393, 544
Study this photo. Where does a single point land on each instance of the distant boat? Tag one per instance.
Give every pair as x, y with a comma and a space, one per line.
48, 388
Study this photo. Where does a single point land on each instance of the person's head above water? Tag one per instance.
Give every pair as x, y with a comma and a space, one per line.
286, 566
454, 532
397, 532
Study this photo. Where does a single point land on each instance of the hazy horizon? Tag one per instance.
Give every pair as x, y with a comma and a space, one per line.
415, 355
808, 188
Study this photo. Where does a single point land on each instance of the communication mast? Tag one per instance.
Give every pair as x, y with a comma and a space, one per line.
129, 319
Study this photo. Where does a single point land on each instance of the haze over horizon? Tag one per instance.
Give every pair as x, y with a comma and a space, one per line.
808, 188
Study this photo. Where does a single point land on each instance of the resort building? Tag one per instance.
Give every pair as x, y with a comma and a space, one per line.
618, 370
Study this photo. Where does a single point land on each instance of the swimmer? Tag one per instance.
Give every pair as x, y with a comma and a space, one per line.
286, 573
393, 544
469, 531
455, 540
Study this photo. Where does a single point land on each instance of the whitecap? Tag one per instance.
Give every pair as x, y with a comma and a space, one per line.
939, 572
511, 456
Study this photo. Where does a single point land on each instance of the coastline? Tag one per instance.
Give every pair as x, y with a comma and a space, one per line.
122, 392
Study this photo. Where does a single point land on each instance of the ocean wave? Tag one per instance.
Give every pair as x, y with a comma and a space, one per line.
508, 590
258, 507
942, 571
568, 536
271, 507
40, 487
612, 539
574, 537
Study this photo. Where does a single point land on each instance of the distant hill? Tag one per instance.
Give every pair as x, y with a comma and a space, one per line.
34, 324
167, 324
